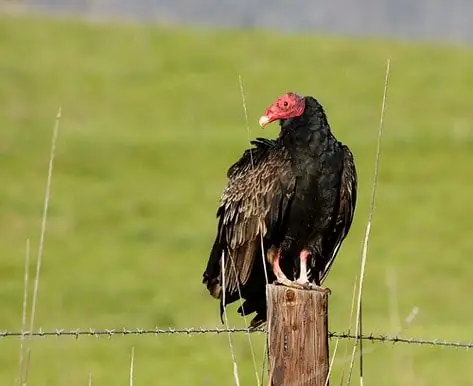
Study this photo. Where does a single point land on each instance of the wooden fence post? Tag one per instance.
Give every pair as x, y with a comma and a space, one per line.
297, 336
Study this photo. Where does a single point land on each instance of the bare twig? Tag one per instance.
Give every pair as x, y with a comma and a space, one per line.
90, 378
23, 313
368, 229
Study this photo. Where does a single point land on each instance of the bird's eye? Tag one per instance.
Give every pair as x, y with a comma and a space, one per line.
285, 104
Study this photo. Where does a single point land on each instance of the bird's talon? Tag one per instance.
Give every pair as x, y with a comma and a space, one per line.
288, 283
312, 286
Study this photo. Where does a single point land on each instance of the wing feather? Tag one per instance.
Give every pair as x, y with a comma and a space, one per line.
348, 195
253, 204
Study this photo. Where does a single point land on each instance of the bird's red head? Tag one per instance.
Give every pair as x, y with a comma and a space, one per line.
287, 106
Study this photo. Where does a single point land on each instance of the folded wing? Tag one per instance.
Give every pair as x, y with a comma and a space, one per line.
252, 213
346, 211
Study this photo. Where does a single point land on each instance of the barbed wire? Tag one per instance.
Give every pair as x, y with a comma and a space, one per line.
109, 333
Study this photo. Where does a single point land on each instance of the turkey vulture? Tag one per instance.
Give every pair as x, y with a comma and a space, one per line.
288, 202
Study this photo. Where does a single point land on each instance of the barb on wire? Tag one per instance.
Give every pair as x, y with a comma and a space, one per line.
76, 333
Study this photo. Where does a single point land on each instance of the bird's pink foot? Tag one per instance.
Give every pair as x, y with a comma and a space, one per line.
274, 255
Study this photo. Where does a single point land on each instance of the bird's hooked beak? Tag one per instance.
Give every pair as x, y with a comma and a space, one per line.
270, 115
264, 120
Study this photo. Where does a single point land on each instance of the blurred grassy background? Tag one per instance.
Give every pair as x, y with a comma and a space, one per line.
152, 118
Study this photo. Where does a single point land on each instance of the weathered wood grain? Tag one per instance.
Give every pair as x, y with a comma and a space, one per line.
297, 336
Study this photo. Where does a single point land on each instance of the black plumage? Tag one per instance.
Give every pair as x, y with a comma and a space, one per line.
287, 207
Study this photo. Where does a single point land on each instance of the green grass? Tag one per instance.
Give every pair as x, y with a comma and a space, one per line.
151, 120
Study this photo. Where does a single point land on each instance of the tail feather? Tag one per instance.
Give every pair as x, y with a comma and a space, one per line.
211, 275
252, 292
257, 305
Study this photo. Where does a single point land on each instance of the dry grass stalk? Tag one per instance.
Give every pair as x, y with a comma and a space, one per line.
332, 361
225, 317
44, 219
132, 364
253, 357
20, 379
349, 324
368, 230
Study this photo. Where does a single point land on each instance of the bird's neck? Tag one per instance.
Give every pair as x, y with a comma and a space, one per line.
307, 135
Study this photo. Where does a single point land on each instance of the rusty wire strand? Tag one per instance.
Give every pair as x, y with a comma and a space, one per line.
77, 333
